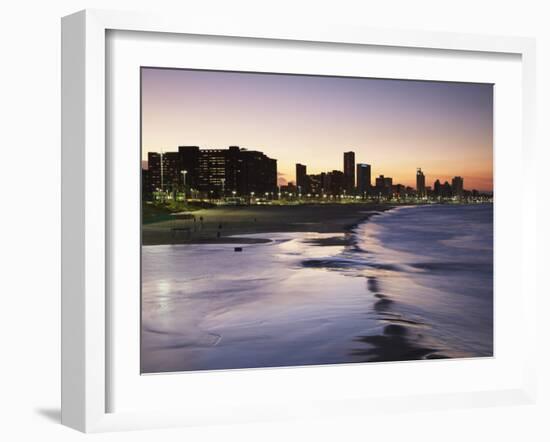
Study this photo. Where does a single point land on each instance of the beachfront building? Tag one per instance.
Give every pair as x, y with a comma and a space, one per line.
399, 191
446, 190
420, 184
458, 187
147, 191
213, 173
316, 184
384, 186
335, 183
349, 172
363, 179
437, 188
302, 181
256, 173
163, 172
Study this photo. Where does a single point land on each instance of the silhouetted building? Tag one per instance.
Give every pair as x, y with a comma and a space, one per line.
214, 172
420, 183
399, 190
189, 163
289, 188
212, 165
146, 188
437, 188
164, 171
363, 179
302, 178
316, 183
256, 173
446, 190
349, 171
384, 186
458, 187
233, 163
334, 182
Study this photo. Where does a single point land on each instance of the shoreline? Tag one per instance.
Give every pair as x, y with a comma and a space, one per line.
376, 316
227, 225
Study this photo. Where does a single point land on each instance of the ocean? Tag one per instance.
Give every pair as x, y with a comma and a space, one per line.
410, 283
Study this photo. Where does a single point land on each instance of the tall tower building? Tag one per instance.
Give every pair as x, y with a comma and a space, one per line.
189, 161
420, 183
437, 188
458, 186
164, 170
349, 171
363, 178
301, 177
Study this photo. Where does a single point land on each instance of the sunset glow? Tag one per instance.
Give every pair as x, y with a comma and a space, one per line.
394, 125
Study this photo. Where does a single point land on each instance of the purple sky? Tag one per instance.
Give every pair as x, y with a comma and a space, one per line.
394, 125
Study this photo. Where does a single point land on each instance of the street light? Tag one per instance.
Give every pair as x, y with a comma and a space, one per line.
184, 173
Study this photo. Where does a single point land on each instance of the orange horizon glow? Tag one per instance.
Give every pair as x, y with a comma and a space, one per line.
396, 126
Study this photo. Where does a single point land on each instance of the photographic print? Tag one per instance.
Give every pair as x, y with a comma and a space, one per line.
299, 220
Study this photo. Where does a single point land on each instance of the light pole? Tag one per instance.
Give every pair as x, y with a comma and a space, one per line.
184, 173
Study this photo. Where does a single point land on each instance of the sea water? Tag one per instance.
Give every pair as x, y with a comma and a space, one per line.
409, 283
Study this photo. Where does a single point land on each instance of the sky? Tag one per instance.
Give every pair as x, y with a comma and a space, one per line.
395, 126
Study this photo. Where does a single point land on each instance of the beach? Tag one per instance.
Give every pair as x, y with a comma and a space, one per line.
366, 286
228, 224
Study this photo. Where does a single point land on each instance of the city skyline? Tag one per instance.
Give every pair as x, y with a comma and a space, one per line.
238, 172
394, 125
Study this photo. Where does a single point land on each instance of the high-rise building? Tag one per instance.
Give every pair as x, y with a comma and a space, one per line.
213, 172
349, 171
437, 188
212, 165
233, 163
146, 189
301, 178
384, 186
334, 182
164, 170
420, 183
446, 190
458, 187
189, 164
399, 190
257, 173
316, 183
363, 178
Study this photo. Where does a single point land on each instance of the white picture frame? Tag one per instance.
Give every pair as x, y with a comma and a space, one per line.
85, 236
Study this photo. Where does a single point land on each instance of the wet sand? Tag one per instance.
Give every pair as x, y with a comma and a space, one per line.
324, 290
400, 338
225, 224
